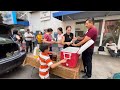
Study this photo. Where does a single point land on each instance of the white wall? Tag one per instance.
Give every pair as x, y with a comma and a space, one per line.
52, 23
37, 24
35, 21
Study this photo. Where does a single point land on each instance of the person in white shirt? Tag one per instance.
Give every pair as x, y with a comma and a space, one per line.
33, 40
59, 38
28, 38
112, 48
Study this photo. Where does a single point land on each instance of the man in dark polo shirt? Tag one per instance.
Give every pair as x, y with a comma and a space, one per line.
87, 54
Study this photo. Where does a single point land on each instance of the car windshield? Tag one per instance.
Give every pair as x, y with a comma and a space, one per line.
5, 41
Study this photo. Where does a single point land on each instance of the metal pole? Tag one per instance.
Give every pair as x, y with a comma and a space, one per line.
102, 31
119, 42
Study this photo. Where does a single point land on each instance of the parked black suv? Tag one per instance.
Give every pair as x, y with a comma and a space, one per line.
10, 54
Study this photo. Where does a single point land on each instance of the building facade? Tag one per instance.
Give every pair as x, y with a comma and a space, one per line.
41, 20
107, 23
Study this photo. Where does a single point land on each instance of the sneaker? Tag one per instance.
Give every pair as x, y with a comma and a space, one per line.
86, 77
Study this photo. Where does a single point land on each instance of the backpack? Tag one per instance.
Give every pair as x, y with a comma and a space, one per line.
14, 37
101, 48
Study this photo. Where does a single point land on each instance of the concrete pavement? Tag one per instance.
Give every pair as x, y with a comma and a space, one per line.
103, 67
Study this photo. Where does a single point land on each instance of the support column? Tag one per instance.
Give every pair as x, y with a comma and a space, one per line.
119, 42
102, 31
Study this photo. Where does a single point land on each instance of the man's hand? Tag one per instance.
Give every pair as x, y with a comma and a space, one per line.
74, 44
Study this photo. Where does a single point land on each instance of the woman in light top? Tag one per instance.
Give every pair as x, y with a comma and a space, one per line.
59, 38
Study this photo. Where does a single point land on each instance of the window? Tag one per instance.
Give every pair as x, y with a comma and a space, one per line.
79, 33
112, 31
80, 29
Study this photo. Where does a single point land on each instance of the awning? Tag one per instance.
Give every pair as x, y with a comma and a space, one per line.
59, 15
24, 23
64, 13
75, 15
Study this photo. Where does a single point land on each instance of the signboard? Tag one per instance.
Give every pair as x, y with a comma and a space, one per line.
9, 17
45, 15
22, 15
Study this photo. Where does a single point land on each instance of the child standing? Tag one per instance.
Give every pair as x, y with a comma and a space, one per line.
45, 62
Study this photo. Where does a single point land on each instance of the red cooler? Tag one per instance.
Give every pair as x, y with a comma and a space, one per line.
72, 56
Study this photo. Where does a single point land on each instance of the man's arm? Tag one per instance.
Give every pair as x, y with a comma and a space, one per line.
86, 38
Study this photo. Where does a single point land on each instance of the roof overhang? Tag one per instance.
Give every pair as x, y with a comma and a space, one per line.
75, 15
56, 14
24, 23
